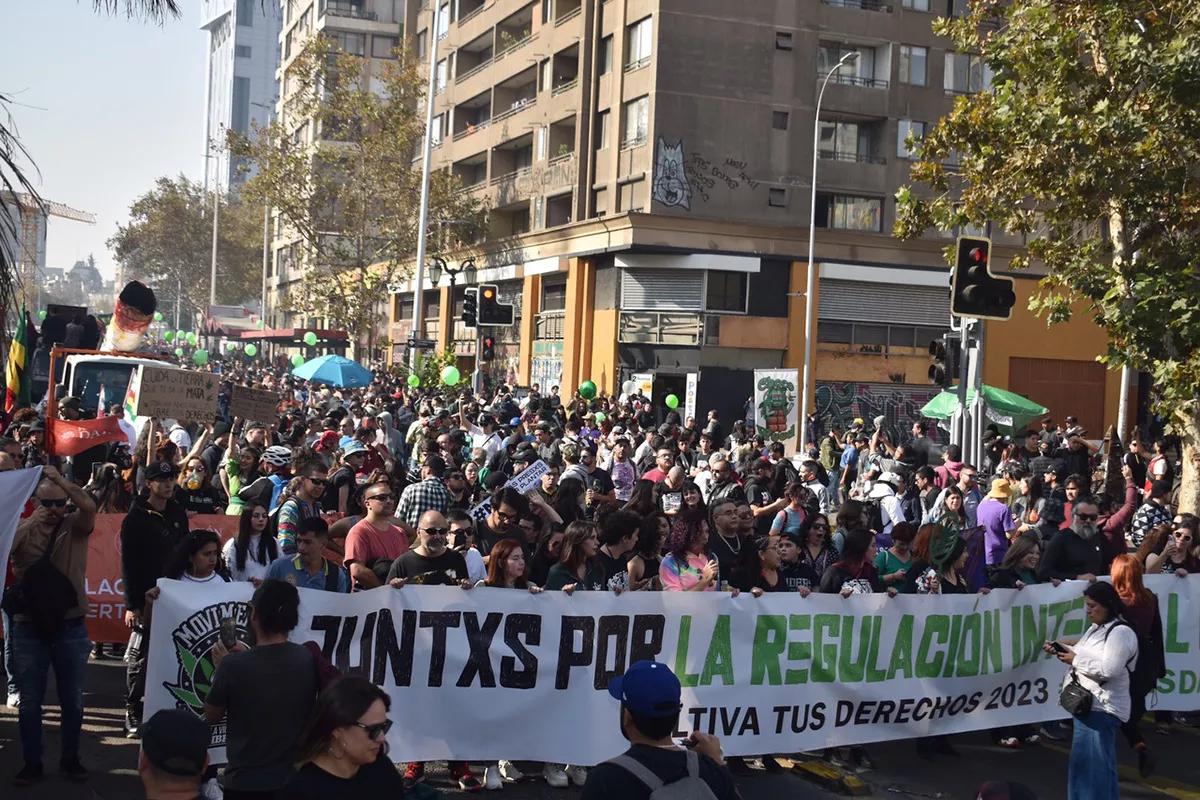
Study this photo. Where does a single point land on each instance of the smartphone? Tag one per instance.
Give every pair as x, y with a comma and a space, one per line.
1058, 648
228, 633
672, 501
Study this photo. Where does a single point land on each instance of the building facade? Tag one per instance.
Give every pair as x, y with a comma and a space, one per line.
648, 166
243, 56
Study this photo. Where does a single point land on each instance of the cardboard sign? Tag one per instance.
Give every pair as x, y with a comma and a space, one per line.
259, 405
167, 393
524, 482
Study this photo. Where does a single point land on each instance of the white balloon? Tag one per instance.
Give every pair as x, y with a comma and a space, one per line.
628, 387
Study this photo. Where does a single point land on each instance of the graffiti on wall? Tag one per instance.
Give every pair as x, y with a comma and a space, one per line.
671, 187
839, 403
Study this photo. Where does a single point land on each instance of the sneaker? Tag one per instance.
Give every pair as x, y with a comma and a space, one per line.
1052, 731
469, 783
132, 727
211, 790
1010, 742
491, 779
1146, 762
1033, 738
556, 776
509, 771
414, 773
578, 775
29, 775
71, 768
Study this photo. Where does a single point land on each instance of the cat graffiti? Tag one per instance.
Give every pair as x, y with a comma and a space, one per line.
671, 187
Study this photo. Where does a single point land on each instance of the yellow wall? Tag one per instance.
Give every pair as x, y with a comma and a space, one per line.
765, 333
445, 312
604, 350
578, 321
1026, 336
836, 362
531, 306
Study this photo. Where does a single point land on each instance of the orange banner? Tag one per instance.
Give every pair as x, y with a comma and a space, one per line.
103, 584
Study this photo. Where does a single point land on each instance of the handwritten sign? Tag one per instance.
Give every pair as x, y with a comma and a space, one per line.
179, 394
259, 405
524, 482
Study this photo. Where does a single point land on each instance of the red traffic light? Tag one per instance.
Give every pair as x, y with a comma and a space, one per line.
977, 255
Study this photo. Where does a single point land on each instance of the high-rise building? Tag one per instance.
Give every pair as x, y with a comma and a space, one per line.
648, 165
243, 55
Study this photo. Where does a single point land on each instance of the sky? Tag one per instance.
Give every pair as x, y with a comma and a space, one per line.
105, 105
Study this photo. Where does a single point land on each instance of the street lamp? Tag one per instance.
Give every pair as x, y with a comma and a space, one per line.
438, 265
810, 284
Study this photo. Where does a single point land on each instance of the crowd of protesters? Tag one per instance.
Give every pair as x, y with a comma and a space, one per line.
349, 490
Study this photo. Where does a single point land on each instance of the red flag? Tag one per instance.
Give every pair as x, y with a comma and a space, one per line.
71, 437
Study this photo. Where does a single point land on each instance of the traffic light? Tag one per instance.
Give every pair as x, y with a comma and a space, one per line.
975, 291
470, 307
491, 310
487, 348
946, 353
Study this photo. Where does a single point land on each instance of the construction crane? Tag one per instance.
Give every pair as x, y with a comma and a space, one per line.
30, 244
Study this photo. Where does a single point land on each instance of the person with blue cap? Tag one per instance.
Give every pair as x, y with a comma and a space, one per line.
655, 765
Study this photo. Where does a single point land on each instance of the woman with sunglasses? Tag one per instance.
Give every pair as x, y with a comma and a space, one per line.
196, 491
817, 551
343, 752
248, 554
1178, 554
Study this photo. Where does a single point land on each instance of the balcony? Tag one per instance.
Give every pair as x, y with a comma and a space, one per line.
633, 66
860, 158
563, 88
567, 17
856, 80
472, 71
517, 107
862, 5
510, 177
660, 328
342, 8
509, 44
549, 325
472, 127
464, 16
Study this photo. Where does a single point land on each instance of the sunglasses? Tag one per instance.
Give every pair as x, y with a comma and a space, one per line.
383, 498
61, 503
376, 731
820, 526
1088, 517
436, 531
319, 481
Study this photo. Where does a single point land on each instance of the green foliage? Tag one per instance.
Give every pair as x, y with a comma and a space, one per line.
347, 186
168, 242
428, 368
1086, 146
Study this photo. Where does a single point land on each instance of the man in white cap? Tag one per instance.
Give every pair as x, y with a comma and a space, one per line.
885, 490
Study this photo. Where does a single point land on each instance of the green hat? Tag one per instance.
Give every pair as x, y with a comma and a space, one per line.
945, 547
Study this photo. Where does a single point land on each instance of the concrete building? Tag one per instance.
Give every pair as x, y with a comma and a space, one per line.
373, 29
240, 93
648, 166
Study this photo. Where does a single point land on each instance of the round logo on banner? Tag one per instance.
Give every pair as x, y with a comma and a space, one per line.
194, 640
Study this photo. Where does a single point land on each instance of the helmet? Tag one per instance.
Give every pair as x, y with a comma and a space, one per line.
277, 456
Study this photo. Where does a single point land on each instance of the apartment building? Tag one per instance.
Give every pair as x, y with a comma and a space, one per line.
243, 54
648, 166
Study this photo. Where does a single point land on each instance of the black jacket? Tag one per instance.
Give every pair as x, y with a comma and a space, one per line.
1069, 555
147, 540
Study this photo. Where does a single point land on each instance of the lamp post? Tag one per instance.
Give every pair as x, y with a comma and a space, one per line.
426, 165
810, 283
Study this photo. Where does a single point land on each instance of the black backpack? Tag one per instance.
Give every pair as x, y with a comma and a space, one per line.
44, 594
874, 514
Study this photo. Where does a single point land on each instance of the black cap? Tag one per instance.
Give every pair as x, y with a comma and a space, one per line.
160, 470
72, 402
176, 742
524, 456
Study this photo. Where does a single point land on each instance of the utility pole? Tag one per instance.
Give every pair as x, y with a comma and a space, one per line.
426, 164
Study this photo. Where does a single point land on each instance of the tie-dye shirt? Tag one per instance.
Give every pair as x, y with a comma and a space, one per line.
681, 576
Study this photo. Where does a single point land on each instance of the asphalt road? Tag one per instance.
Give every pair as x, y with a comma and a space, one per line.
897, 772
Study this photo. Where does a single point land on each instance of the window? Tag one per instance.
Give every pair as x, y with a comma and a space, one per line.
912, 64
779, 120
783, 40
916, 5
443, 20
777, 198
848, 212
966, 73
637, 43
242, 51
600, 202
726, 291
354, 44
240, 102
443, 69
602, 129
438, 130
903, 128
860, 71
554, 296
606, 55
422, 45
637, 121
844, 141
383, 46
245, 13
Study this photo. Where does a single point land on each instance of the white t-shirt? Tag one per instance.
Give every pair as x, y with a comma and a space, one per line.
253, 568
213, 576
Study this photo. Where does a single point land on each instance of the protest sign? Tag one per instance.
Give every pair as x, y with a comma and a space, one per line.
168, 393
776, 405
524, 482
467, 670
258, 405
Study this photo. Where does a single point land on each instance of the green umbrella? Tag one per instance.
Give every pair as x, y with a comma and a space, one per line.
1008, 411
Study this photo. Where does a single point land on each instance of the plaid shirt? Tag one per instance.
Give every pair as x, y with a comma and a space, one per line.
420, 497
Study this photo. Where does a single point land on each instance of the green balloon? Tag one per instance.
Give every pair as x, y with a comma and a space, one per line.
600, 416
414, 381
230, 347
250, 350
450, 376
191, 338
200, 358
672, 401
181, 334
297, 360
169, 335
587, 390
158, 316
42, 314
310, 339
178, 351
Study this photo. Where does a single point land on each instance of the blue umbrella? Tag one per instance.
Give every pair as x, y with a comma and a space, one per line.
336, 371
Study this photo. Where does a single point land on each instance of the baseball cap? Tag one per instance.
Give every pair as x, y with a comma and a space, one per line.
72, 402
524, 456
176, 742
648, 689
160, 470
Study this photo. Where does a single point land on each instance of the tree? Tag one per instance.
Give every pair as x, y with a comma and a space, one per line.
167, 244
1086, 145
346, 187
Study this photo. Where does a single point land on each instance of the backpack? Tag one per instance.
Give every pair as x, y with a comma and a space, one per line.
874, 513
689, 787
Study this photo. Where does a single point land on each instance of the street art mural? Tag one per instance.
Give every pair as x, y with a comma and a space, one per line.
900, 406
671, 187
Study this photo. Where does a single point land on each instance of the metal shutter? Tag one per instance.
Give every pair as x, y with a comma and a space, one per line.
662, 289
886, 303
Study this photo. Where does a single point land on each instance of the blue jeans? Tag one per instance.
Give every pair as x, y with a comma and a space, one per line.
32, 660
1092, 769
11, 688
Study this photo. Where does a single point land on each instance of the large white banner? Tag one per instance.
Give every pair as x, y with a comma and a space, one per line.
493, 673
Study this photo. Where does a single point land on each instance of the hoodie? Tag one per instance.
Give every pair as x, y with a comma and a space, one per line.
388, 435
947, 473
